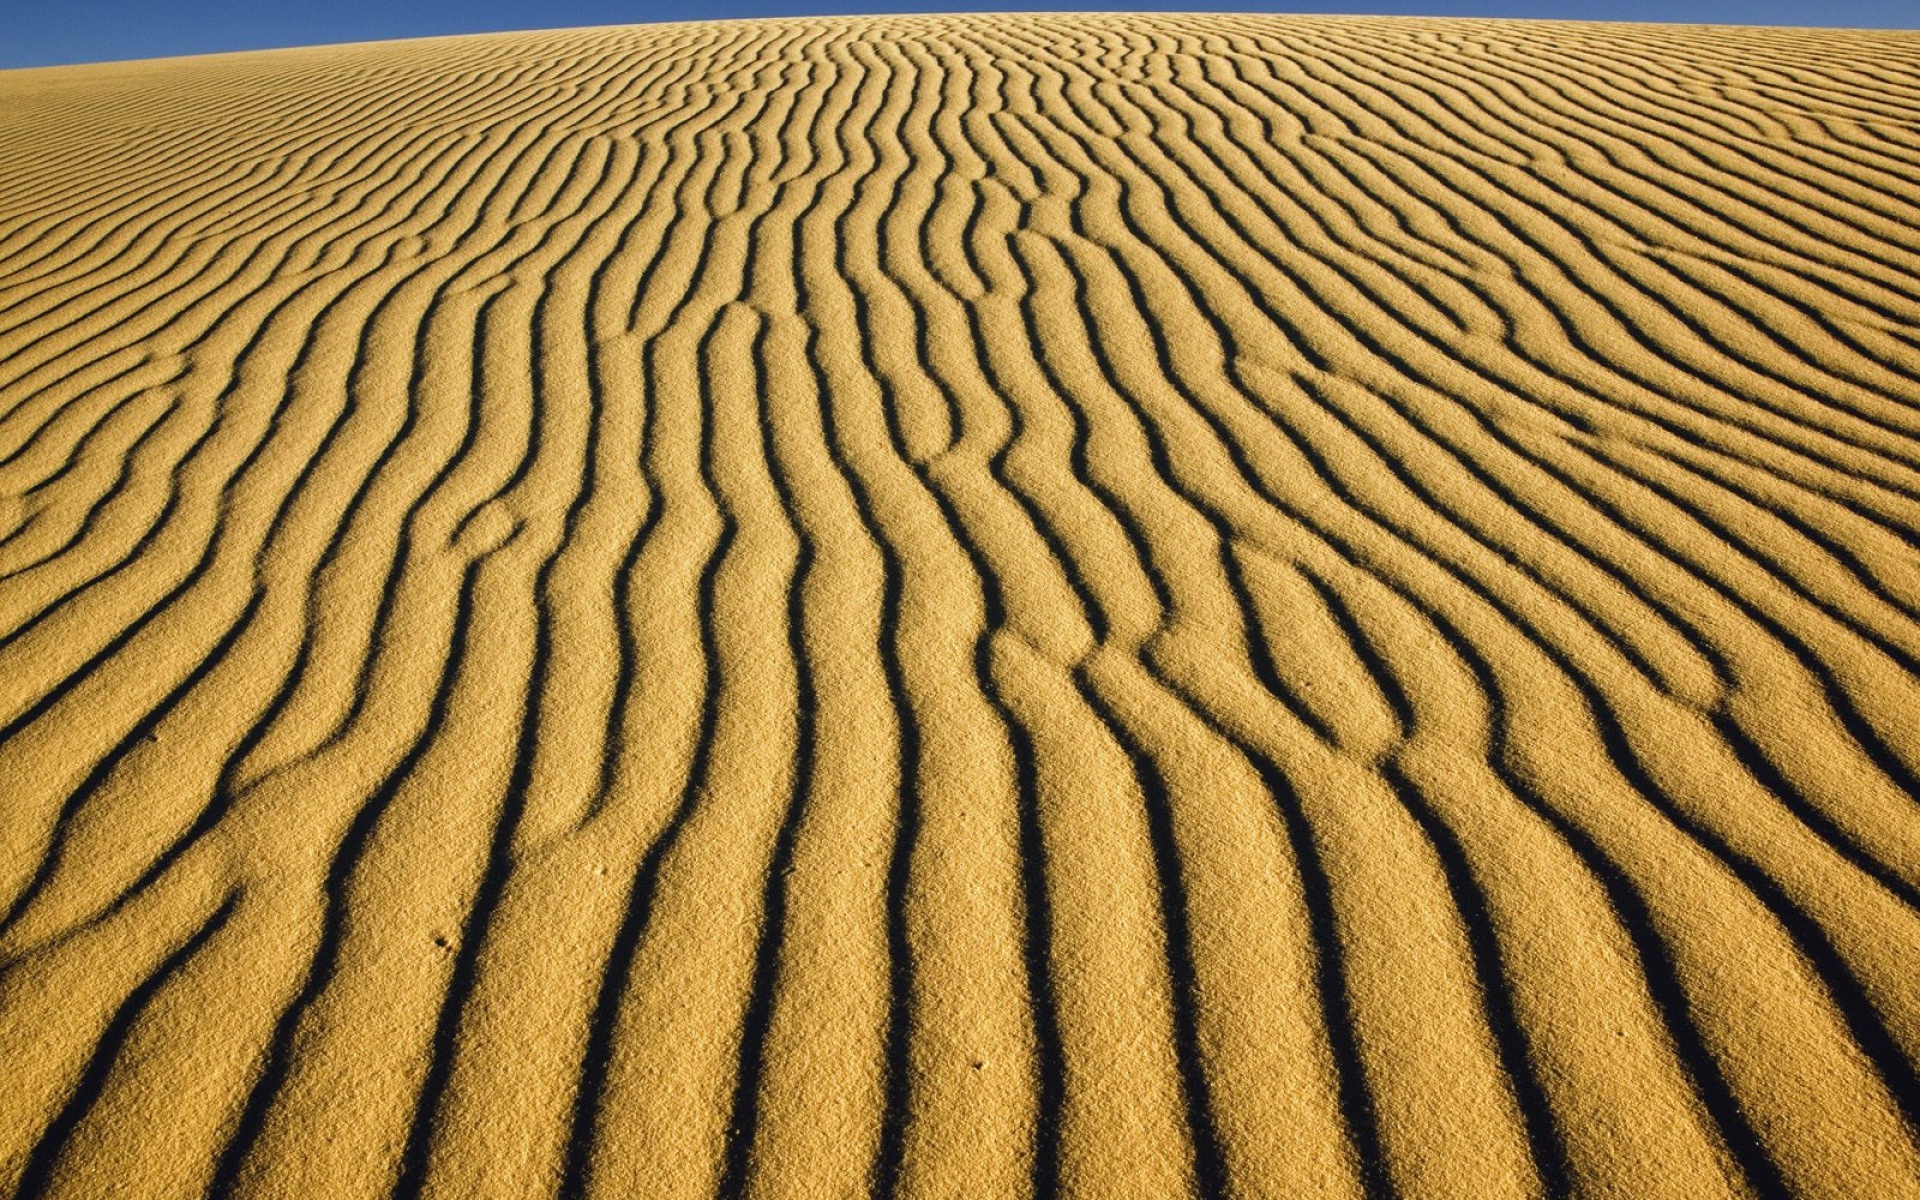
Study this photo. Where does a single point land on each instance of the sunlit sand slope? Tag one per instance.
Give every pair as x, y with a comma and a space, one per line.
979, 606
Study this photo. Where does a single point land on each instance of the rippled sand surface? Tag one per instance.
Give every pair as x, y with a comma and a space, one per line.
972, 606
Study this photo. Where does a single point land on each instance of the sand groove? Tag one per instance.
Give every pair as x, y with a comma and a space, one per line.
1092, 606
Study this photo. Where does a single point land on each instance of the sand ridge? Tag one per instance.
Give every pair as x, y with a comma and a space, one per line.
1118, 605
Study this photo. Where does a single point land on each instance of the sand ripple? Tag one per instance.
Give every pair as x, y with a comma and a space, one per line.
967, 606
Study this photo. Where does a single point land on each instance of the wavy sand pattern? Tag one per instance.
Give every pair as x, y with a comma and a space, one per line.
976, 606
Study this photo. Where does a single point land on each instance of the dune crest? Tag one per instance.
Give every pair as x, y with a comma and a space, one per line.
989, 606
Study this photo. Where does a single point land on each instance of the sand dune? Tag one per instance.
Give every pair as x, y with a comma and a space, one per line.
966, 606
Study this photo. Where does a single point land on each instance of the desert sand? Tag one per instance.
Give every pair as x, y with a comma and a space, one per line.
965, 607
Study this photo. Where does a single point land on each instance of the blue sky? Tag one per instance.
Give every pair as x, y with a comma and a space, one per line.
41, 32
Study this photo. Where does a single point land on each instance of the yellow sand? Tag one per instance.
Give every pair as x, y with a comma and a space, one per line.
965, 606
